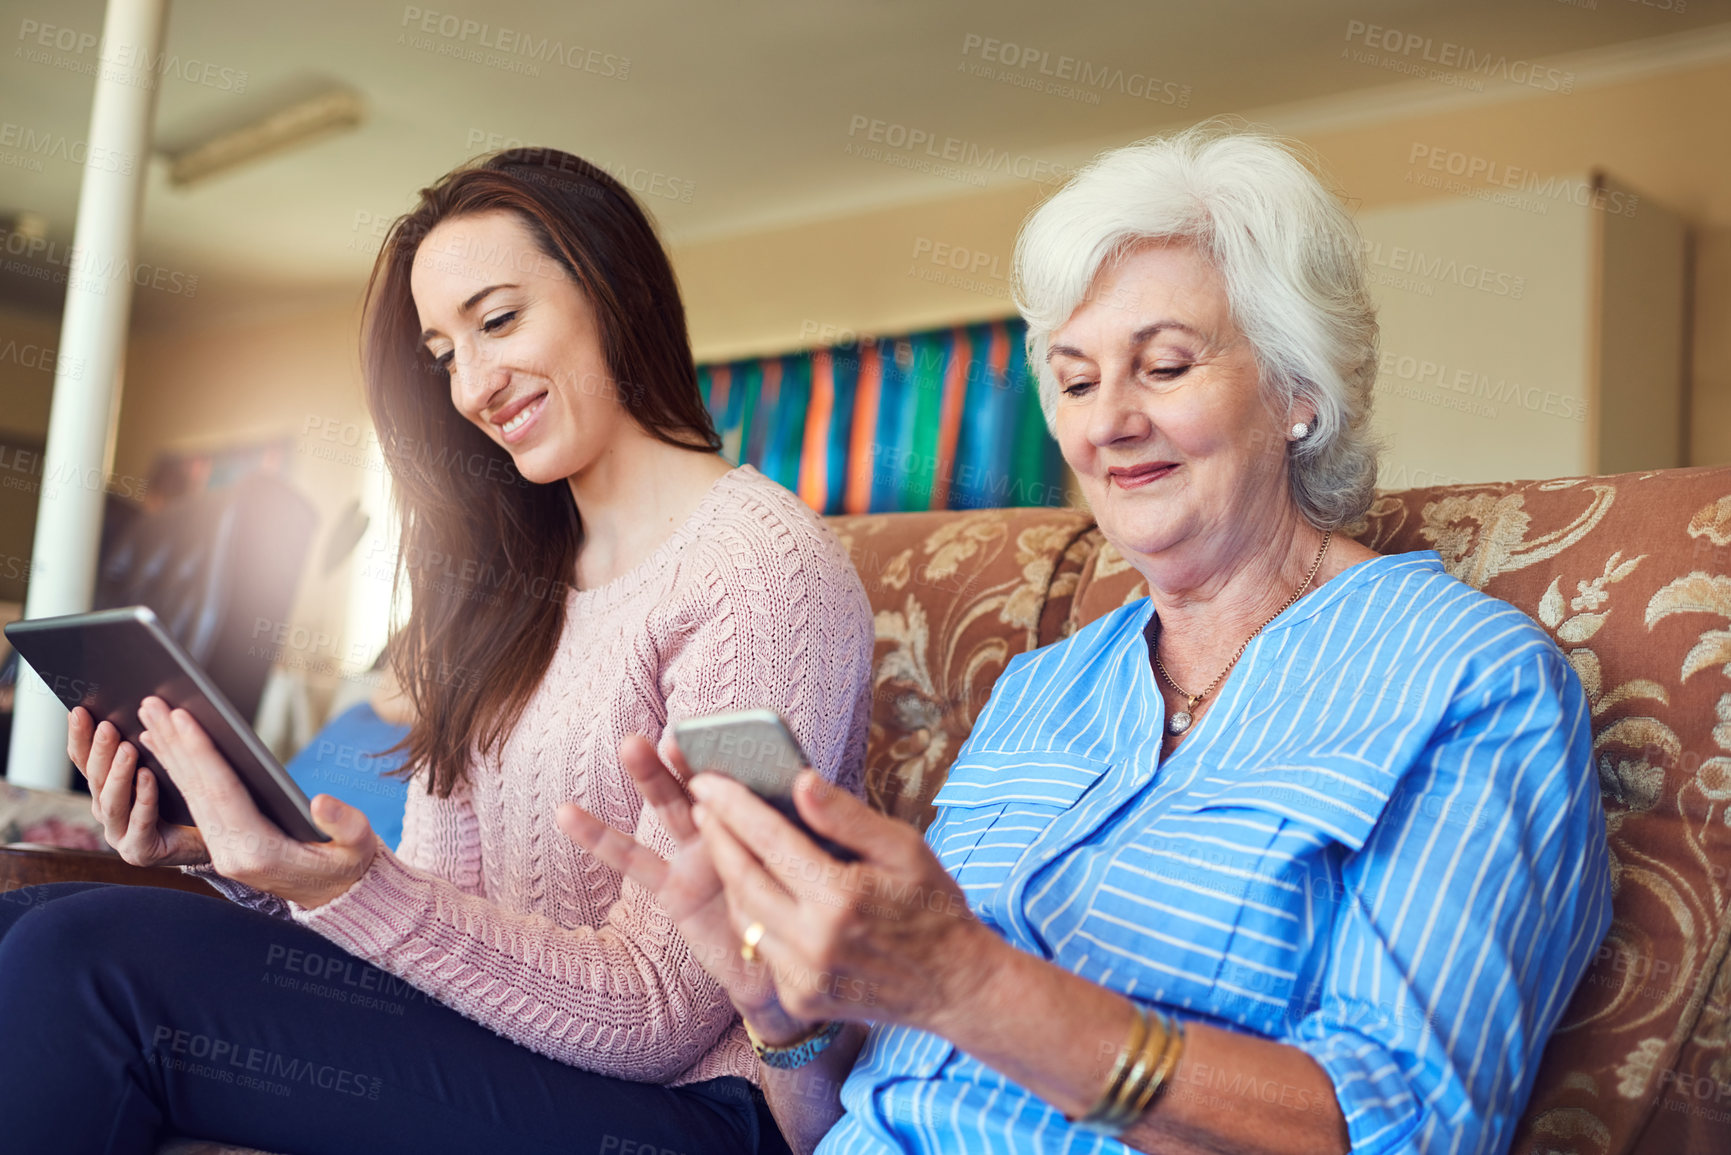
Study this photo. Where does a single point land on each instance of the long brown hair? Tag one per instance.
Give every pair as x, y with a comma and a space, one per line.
489, 556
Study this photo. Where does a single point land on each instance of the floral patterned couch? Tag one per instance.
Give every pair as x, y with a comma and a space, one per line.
1630, 574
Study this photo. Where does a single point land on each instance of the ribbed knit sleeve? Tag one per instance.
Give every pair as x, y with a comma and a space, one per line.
764, 612
439, 836
442, 837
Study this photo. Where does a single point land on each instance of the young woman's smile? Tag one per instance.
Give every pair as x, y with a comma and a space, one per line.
519, 341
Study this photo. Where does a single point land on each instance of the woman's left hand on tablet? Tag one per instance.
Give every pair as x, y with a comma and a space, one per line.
123, 797
245, 845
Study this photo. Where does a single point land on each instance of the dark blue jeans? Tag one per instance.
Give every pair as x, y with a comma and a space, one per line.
129, 1014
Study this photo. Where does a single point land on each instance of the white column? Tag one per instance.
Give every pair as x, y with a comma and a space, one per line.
93, 352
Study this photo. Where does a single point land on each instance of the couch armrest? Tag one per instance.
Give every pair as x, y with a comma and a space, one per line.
30, 864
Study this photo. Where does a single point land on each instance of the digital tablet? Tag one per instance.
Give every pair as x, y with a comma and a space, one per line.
110, 661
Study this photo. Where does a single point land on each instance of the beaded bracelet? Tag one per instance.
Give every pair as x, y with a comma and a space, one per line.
797, 1053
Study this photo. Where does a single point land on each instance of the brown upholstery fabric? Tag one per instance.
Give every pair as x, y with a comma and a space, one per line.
956, 596
1628, 573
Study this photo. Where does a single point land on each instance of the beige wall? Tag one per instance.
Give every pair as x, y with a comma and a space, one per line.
28, 355
1642, 329
1659, 133
915, 266
293, 373
28, 352
1709, 419
1485, 316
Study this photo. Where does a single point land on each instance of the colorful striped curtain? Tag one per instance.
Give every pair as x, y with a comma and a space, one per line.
946, 419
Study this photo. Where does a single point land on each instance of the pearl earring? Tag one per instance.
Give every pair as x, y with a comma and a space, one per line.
1300, 431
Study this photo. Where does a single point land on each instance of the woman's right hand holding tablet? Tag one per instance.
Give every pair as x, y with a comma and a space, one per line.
123, 797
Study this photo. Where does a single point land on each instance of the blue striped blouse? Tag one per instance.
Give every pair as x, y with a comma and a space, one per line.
1383, 844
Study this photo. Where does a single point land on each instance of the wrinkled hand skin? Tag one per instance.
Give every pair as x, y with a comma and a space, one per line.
888, 938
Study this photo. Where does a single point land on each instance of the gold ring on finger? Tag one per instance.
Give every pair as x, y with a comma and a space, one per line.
749, 940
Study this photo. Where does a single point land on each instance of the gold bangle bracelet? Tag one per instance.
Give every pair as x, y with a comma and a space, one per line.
1133, 1047
1127, 1054
1154, 1047
1148, 1072
1168, 1063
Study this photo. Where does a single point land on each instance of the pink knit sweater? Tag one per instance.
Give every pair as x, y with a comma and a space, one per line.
487, 907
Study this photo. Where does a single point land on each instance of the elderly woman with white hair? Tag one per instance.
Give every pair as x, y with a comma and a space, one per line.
1178, 896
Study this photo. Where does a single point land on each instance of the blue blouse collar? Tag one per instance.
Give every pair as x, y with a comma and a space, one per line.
1314, 601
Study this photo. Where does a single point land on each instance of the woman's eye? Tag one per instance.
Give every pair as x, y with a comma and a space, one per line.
494, 324
1077, 388
443, 360
1168, 372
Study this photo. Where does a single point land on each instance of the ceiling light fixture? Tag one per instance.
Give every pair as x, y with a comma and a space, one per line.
299, 123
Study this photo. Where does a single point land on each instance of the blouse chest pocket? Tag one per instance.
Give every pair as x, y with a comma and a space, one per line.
1293, 825
1228, 891
995, 804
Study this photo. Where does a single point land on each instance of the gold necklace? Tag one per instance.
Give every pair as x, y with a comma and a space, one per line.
1180, 722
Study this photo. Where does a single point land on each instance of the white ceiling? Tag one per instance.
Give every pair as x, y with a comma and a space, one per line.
743, 107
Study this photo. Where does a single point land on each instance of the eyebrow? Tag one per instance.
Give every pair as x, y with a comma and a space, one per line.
1136, 338
429, 334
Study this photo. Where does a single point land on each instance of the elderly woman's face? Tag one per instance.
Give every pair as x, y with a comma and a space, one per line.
1159, 408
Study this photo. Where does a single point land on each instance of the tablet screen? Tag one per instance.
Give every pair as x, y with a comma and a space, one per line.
111, 660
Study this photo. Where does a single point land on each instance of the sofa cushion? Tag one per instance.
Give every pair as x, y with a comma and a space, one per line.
1629, 575
49, 817
955, 597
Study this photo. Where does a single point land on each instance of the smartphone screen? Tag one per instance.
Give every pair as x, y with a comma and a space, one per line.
756, 749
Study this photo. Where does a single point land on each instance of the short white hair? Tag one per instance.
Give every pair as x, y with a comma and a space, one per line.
1291, 260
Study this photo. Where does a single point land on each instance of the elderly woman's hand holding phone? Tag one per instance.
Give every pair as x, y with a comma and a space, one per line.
686, 885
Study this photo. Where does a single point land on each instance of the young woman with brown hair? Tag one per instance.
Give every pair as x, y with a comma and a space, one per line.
583, 569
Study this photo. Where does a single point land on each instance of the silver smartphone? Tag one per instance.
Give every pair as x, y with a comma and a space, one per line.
755, 748
110, 661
